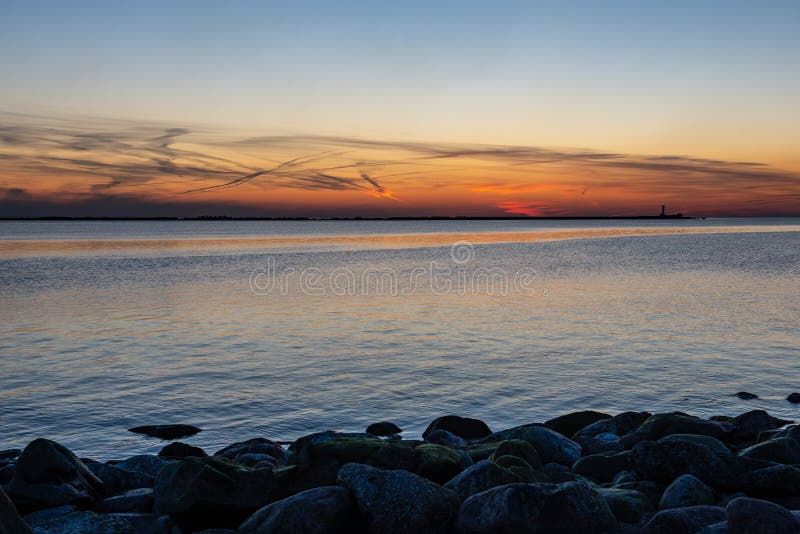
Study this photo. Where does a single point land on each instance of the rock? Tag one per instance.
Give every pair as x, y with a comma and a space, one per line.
384, 428
519, 448
686, 490
181, 450
772, 481
522, 469
480, 477
216, 492
551, 446
627, 422
7, 472
744, 395
437, 463
10, 521
48, 474
86, 522
794, 398
652, 490
9, 454
448, 439
599, 437
753, 516
166, 431
747, 426
659, 425
253, 459
42, 516
462, 427
624, 476
683, 520
628, 506
778, 450
706, 441
399, 501
149, 464
603, 467
716, 528
118, 480
254, 446
325, 510
138, 500
567, 425
536, 508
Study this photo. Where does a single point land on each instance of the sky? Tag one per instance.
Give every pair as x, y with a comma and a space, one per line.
345, 109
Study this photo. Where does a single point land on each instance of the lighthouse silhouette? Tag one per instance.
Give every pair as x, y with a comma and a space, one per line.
663, 210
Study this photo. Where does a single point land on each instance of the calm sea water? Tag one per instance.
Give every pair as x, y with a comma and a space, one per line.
246, 337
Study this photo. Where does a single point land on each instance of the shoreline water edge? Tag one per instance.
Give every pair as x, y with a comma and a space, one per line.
585, 471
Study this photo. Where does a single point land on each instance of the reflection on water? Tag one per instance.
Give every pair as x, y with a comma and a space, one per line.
91, 344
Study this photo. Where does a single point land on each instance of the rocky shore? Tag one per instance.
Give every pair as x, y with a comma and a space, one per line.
581, 472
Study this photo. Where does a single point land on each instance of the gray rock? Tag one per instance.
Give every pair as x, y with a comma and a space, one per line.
252, 459
42, 516
706, 441
167, 432
603, 467
567, 425
85, 523
683, 520
536, 508
383, 428
659, 425
149, 464
519, 448
744, 395
480, 477
687, 490
399, 501
747, 426
118, 480
325, 510
753, 516
448, 439
10, 521
624, 476
779, 450
522, 469
181, 450
551, 446
134, 501
773, 481
628, 506
48, 474
652, 490
254, 446
463, 427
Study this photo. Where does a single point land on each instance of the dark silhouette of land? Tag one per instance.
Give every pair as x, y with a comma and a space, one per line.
430, 218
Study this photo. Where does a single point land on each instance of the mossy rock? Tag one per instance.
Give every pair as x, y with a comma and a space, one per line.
519, 448
521, 468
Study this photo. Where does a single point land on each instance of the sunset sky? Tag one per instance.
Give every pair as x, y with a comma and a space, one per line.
405, 108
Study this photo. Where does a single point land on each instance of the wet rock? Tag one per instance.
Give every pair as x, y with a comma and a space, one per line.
687, 490
603, 467
138, 500
448, 439
551, 446
772, 481
166, 431
753, 516
325, 510
118, 480
652, 490
744, 395
536, 508
7, 471
519, 448
437, 463
384, 428
705, 441
480, 477
628, 506
794, 398
181, 450
683, 520
567, 425
10, 520
747, 426
778, 450
9, 454
252, 459
625, 476
42, 516
86, 522
627, 422
254, 446
463, 427
792, 432
398, 501
659, 425
47, 474
522, 469
148, 464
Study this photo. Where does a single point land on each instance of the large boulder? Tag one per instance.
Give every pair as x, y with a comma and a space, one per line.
134, 501
398, 501
551, 446
522, 469
536, 508
148, 464
118, 480
521, 449
778, 450
463, 427
254, 446
747, 426
628, 506
480, 477
177, 449
599, 437
167, 432
603, 467
384, 428
772, 481
753, 516
659, 425
48, 474
706, 441
687, 490
567, 425
325, 510
688, 520
10, 521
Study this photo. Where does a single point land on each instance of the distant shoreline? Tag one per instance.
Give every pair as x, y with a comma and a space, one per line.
432, 218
